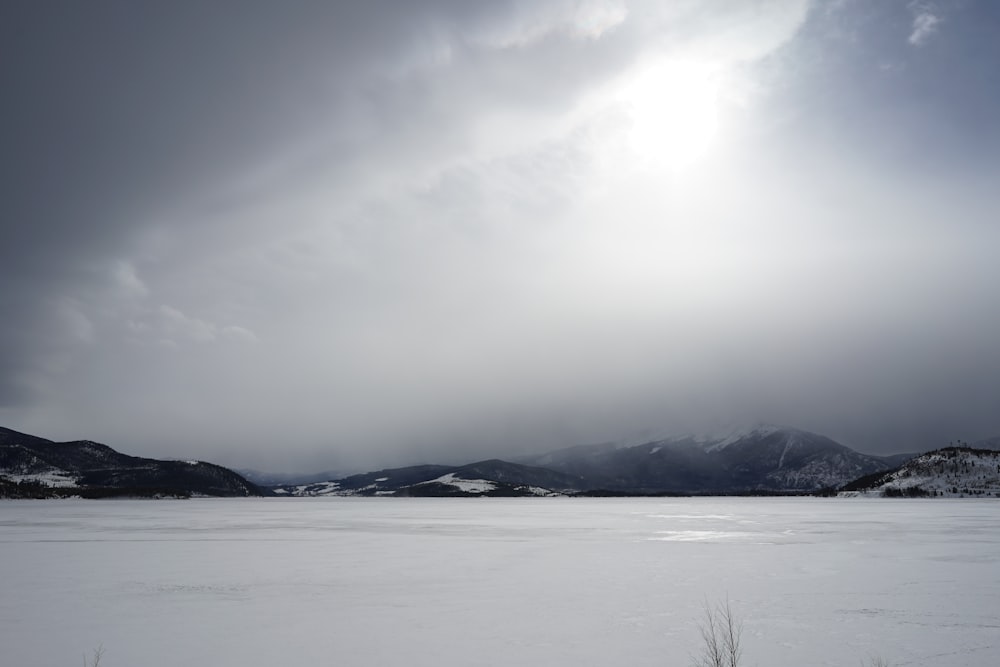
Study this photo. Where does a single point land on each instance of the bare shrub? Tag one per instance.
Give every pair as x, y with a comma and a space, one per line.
721, 634
95, 660
721, 639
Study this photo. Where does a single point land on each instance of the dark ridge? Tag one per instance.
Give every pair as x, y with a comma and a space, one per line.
101, 471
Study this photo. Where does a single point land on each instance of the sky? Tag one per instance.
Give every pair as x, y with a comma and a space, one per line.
309, 235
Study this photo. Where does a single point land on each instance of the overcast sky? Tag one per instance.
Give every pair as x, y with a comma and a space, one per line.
317, 234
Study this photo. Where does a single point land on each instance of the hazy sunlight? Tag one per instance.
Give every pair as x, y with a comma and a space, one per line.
673, 108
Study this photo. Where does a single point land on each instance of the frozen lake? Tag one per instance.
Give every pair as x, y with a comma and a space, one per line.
552, 581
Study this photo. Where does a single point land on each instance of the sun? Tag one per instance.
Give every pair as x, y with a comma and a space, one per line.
673, 109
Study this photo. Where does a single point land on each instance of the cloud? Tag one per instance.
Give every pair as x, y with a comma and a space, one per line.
175, 326
925, 24
405, 231
127, 280
238, 333
526, 23
71, 319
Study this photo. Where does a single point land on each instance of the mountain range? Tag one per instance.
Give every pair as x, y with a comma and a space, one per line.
759, 460
764, 459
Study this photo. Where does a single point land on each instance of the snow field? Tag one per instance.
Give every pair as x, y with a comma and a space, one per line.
556, 581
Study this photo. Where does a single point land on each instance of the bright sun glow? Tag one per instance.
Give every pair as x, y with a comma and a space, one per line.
673, 107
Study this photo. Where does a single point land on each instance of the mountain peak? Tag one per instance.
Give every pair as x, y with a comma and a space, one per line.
755, 432
720, 439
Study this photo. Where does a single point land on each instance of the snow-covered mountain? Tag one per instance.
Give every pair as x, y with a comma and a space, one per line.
951, 472
35, 467
763, 458
484, 478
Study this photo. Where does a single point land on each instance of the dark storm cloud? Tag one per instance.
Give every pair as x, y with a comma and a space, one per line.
115, 110
315, 233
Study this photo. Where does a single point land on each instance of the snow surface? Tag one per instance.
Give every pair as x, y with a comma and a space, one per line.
541, 491
466, 485
561, 582
314, 489
54, 477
